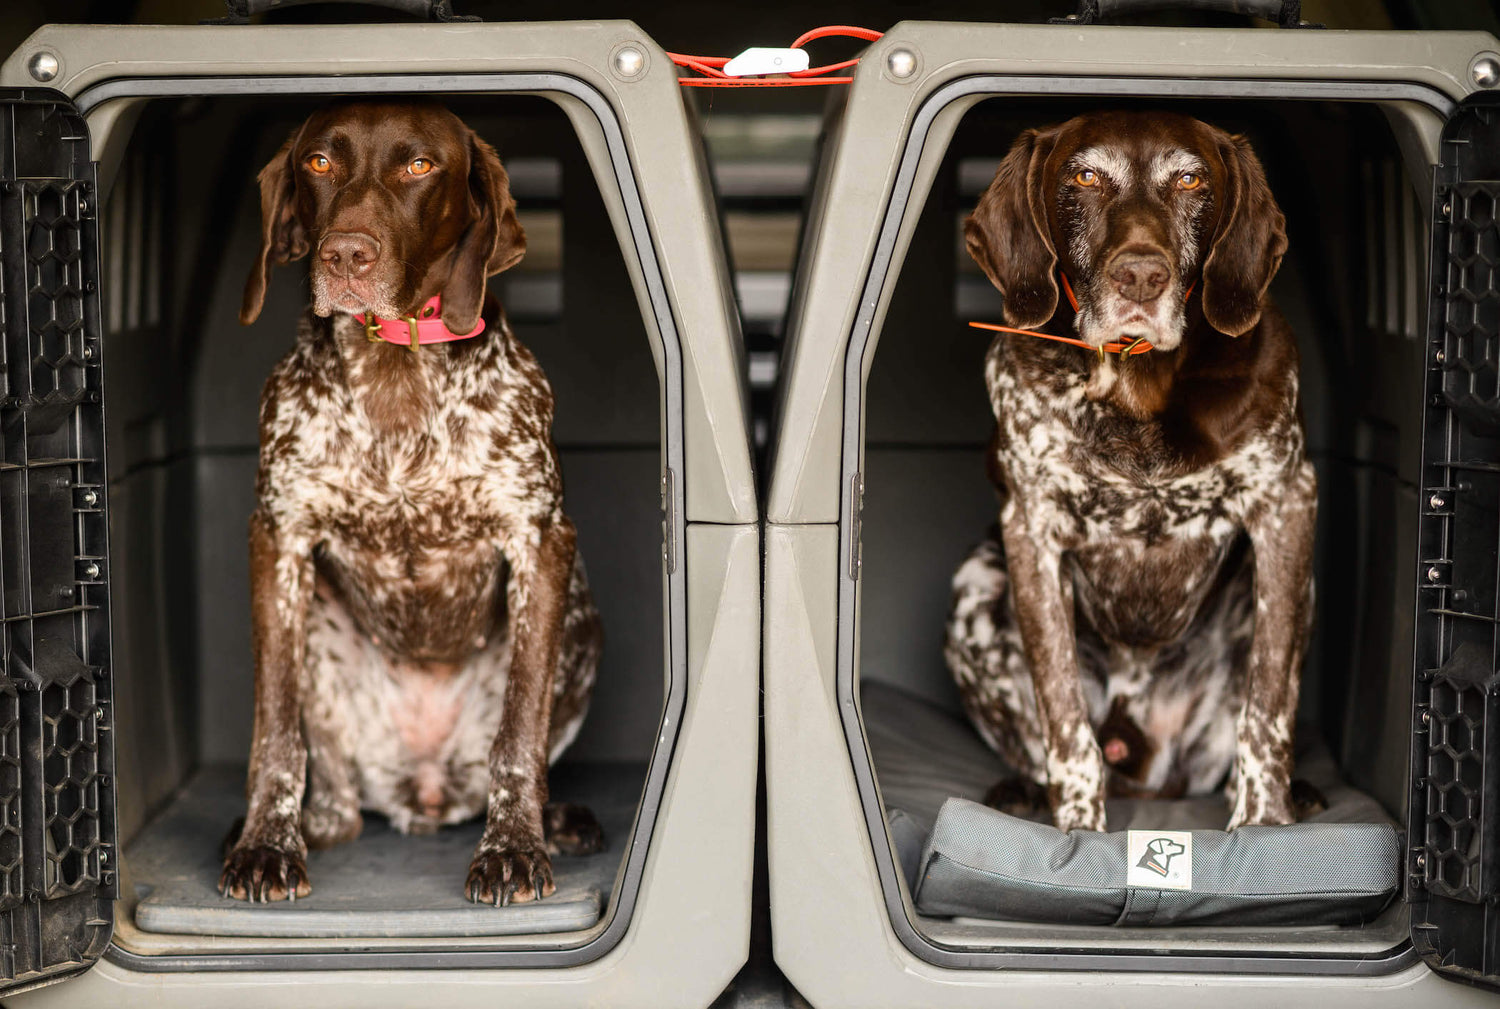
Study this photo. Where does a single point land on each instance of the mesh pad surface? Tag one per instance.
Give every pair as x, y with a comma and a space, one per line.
384, 884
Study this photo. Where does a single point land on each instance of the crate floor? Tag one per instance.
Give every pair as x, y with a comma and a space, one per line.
382, 885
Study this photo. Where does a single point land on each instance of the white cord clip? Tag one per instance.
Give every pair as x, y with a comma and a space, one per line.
759, 60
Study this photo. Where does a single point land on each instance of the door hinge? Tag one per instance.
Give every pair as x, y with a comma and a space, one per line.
856, 508
669, 519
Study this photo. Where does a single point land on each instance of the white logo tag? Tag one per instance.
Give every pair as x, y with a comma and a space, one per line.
1159, 859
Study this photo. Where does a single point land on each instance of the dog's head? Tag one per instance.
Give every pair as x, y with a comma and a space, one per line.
397, 203
1135, 208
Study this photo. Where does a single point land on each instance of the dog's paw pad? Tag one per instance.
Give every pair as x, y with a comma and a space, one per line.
572, 830
509, 876
264, 874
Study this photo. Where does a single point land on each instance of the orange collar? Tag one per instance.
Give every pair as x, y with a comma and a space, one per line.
415, 330
1137, 346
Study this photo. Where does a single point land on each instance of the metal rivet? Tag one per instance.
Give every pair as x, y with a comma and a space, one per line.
92, 571
1447, 207
1421, 860
88, 353
90, 498
1426, 718
1485, 70
1440, 356
1437, 502
1434, 573
629, 62
44, 65
902, 63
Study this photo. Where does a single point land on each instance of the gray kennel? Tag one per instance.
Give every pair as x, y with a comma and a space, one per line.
878, 490
133, 152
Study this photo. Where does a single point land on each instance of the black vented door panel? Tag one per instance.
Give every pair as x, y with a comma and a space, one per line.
57, 804
1453, 880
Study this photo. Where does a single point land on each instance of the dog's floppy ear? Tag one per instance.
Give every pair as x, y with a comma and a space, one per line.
494, 241
1008, 237
282, 235
1248, 245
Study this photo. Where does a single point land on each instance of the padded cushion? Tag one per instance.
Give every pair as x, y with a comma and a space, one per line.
981, 863
960, 858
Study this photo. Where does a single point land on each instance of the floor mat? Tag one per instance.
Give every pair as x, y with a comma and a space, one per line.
383, 884
925, 755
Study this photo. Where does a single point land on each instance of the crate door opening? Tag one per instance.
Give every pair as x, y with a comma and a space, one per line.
182, 228
1350, 287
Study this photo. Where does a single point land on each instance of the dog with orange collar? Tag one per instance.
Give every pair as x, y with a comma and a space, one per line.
1137, 626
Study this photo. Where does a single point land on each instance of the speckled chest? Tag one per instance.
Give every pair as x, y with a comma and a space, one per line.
1143, 536
403, 518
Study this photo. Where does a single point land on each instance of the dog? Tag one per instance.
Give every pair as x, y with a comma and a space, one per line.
425, 642
1136, 627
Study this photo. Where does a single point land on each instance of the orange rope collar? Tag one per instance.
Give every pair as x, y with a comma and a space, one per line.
1137, 346
714, 77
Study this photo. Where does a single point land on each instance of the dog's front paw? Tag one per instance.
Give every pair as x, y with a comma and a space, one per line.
1075, 783
1079, 815
509, 875
261, 873
1262, 804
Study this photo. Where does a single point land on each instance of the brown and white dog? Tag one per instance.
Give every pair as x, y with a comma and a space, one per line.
1150, 588
425, 642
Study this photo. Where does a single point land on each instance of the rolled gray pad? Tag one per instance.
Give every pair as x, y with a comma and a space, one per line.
982, 863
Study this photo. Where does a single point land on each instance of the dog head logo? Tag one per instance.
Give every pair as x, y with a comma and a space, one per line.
1159, 855
1159, 859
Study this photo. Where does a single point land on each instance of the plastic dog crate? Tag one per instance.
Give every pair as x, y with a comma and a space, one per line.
878, 491
130, 218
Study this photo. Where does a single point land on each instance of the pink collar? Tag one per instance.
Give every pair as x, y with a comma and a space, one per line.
414, 331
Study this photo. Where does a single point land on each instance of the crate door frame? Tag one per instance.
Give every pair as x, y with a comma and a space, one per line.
931, 128
589, 110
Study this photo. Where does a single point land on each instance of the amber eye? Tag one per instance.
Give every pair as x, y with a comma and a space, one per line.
320, 164
1188, 180
419, 166
1087, 178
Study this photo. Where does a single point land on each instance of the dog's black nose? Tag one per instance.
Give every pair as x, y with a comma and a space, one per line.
348, 252
1140, 278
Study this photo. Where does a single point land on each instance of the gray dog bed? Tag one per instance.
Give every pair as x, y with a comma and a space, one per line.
960, 858
382, 885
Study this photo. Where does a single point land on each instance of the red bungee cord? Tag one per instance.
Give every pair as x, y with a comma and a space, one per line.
714, 77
